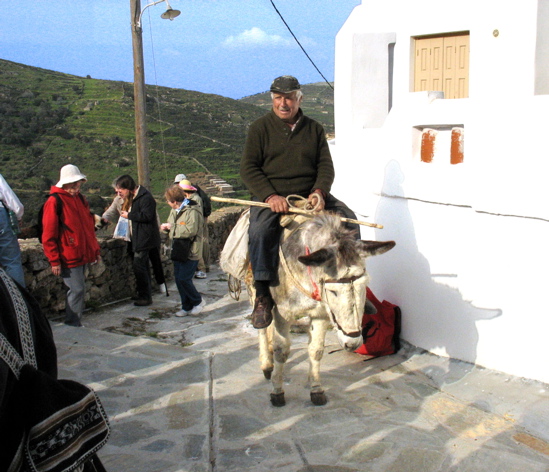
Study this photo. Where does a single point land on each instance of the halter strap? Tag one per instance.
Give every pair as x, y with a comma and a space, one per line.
316, 295
344, 280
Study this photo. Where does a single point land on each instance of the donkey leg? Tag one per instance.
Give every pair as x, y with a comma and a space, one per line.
266, 351
317, 336
281, 350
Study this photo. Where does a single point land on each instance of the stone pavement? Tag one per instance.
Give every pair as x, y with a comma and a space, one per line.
187, 395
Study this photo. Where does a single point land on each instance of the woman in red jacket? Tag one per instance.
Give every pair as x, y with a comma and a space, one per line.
68, 238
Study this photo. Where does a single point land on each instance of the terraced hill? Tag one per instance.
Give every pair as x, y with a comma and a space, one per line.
49, 119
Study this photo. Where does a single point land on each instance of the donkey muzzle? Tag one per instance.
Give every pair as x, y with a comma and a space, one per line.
349, 342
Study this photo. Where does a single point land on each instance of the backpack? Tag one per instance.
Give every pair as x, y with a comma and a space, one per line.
206, 203
381, 330
39, 225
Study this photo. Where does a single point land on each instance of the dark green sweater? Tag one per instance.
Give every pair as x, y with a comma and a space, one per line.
279, 161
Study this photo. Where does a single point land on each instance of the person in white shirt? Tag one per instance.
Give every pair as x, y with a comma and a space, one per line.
10, 253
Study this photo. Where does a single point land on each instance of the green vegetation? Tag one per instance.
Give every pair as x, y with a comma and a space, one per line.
49, 119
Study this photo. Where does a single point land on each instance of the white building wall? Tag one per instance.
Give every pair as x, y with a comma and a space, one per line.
470, 269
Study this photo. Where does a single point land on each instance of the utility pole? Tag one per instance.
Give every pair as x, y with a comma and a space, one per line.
139, 97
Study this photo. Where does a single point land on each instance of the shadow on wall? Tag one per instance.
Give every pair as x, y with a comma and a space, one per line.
435, 316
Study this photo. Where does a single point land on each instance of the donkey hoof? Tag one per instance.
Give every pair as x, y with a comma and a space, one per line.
319, 398
277, 399
267, 374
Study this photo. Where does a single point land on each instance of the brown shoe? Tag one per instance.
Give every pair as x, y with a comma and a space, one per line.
143, 302
262, 315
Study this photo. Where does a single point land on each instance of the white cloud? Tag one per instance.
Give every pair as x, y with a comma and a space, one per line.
255, 37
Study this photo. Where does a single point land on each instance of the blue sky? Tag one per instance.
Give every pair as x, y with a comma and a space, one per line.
228, 47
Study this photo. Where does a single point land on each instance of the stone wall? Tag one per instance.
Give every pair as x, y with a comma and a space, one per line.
112, 278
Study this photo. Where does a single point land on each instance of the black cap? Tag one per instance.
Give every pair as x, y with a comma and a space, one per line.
285, 84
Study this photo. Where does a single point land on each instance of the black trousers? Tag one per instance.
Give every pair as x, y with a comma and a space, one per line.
264, 237
141, 270
142, 274
156, 262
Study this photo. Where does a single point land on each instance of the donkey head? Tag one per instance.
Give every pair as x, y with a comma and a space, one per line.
340, 270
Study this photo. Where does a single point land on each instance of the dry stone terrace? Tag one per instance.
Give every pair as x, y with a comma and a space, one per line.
112, 278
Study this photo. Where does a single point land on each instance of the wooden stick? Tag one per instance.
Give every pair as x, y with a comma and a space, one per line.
291, 210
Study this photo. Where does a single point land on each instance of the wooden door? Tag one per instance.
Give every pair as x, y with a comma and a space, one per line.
442, 64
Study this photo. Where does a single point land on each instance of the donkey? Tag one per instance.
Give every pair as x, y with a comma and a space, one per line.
321, 275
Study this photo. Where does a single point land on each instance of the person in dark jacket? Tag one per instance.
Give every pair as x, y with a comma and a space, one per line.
144, 232
286, 153
69, 240
34, 402
111, 215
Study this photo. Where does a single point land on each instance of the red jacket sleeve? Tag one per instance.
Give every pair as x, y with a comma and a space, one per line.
50, 231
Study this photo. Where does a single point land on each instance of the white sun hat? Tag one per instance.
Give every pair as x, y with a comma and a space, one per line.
179, 178
69, 174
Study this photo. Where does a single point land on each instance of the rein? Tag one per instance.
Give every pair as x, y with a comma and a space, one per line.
291, 275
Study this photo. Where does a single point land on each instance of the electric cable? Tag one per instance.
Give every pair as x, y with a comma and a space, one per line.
158, 103
302, 48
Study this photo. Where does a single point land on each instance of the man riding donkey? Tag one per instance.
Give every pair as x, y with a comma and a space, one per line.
286, 153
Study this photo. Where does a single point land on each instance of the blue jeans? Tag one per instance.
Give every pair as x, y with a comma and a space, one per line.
184, 273
10, 253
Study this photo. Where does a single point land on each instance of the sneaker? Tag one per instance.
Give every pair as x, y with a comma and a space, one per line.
198, 308
164, 289
200, 275
182, 313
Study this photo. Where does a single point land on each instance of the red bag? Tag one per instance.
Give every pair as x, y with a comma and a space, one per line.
381, 331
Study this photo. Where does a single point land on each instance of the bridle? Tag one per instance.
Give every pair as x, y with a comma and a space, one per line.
319, 294
350, 281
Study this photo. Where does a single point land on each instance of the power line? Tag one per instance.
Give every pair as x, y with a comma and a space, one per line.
302, 48
158, 103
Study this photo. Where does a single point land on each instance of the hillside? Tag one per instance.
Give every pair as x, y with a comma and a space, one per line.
49, 119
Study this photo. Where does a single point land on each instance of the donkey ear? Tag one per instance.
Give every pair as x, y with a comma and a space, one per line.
318, 257
374, 248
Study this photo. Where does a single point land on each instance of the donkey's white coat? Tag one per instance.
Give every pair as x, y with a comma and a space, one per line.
319, 255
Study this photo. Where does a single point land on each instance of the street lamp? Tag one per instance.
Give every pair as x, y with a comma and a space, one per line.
139, 93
